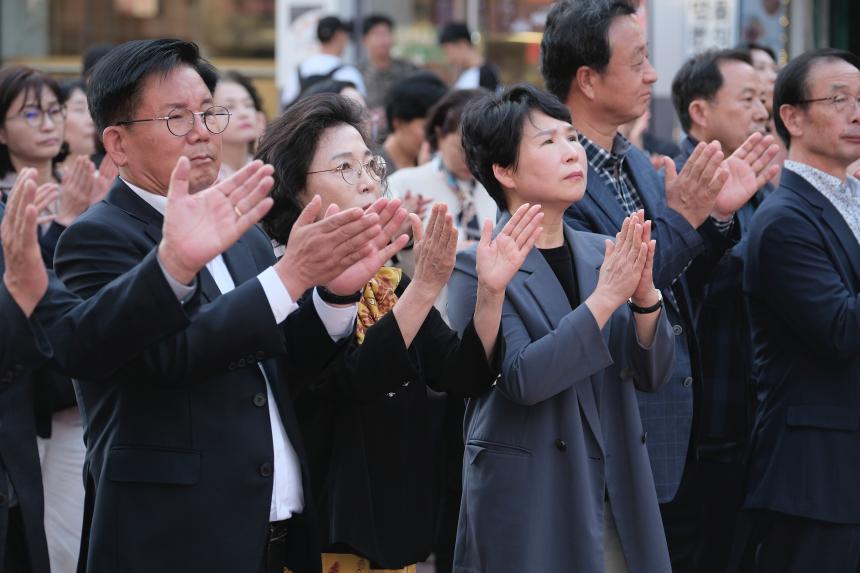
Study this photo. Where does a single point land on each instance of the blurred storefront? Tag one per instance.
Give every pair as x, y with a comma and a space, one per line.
243, 34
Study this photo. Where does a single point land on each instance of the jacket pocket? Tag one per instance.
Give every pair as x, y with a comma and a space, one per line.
143, 465
824, 417
474, 448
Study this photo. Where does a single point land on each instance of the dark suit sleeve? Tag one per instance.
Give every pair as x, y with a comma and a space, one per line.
234, 326
48, 243
383, 363
23, 344
652, 366
791, 271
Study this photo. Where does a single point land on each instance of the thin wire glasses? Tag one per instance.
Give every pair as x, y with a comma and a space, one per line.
35, 116
180, 121
839, 102
351, 170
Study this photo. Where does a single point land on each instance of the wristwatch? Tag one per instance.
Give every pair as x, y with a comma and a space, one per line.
647, 309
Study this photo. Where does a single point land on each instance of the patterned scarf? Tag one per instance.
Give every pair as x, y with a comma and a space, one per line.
377, 299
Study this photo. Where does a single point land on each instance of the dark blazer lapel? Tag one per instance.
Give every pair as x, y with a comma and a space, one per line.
797, 184
240, 262
586, 262
604, 197
643, 176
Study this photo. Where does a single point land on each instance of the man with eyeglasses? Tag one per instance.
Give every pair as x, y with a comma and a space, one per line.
194, 460
802, 280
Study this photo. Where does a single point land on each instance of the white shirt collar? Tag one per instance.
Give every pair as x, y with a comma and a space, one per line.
157, 202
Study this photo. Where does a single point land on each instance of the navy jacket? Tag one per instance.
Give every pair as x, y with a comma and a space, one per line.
90, 338
723, 331
179, 443
667, 416
802, 277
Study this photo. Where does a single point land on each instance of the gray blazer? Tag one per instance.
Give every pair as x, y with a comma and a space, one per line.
561, 428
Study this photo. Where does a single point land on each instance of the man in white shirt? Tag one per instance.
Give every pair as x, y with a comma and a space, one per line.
194, 460
333, 35
476, 72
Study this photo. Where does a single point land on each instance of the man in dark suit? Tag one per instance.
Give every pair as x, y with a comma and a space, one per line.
802, 279
718, 96
194, 459
44, 325
594, 57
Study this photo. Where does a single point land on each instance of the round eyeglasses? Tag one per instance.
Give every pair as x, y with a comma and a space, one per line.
35, 116
351, 169
180, 121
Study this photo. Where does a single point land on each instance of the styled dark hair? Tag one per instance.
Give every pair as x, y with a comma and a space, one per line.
445, 116
328, 86
373, 20
239, 78
413, 96
115, 85
455, 32
492, 128
576, 35
290, 143
791, 86
14, 81
700, 78
750, 46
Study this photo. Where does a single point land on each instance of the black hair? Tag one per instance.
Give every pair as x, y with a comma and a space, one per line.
290, 143
373, 20
455, 32
328, 86
700, 78
328, 26
576, 35
750, 46
792, 88
412, 97
444, 117
244, 81
68, 87
91, 57
14, 81
492, 129
115, 86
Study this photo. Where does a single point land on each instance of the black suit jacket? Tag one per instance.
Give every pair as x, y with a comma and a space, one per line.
179, 441
802, 277
78, 338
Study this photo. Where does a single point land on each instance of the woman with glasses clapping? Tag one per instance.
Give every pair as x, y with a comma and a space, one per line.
371, 435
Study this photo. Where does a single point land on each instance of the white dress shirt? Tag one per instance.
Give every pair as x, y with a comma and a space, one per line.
287, 494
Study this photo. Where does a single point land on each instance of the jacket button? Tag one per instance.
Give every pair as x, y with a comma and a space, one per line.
266, 469
241, 363
688, 381
232, 366
644, 437
259, 400
678, 329
561, 445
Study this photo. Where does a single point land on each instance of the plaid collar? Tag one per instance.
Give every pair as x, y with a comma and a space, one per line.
603, 160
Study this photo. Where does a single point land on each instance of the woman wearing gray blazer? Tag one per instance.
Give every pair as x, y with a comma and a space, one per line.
556, 450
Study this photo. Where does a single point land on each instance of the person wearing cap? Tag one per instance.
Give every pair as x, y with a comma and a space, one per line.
333, 36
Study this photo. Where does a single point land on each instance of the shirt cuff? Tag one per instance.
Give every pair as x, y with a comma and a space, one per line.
183, 292
279, 298
338, 321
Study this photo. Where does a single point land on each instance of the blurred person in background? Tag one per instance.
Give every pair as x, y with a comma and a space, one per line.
406, 108
237, 93
333, 35
765, 62
340, 87
380, 69
475, 71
